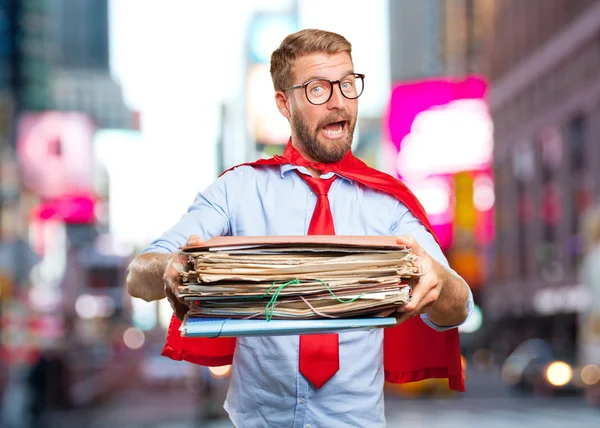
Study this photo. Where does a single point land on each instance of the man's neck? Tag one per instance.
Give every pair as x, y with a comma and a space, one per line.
313, 171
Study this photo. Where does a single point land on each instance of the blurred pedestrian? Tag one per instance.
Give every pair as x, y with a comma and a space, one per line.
589, 274
49, 386
316, 187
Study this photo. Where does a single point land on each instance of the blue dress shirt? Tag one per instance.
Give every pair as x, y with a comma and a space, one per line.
266, 388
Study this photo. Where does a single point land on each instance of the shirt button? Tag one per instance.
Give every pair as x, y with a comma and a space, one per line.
302, 400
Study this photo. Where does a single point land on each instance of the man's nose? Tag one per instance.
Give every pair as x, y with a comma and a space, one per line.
337, 100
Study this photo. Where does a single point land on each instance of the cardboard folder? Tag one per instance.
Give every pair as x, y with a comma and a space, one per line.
216, 327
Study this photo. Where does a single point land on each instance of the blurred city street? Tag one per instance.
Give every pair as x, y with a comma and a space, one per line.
117, 117
487, 402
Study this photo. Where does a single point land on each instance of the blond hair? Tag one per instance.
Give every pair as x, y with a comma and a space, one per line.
302, 43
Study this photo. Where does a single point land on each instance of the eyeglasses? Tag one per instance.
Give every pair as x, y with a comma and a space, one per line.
319, 91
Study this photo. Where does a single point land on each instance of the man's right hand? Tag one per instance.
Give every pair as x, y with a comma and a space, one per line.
172, 278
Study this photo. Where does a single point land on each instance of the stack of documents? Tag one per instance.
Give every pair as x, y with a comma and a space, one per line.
298, 278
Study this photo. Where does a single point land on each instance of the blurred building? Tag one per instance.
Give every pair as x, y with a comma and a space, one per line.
7, 85
543, 59
82, 81
416, 39
432, 38
8, 171
55, 92
467, 24
63, 60
434, 46
94, 92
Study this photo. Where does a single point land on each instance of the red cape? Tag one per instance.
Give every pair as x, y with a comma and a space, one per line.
412, 351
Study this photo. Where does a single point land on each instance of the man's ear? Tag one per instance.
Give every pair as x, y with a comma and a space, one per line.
281, 101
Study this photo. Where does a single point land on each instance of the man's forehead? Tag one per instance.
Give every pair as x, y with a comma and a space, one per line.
322, 65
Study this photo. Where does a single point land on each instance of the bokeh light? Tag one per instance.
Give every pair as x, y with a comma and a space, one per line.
134, 338
559, 373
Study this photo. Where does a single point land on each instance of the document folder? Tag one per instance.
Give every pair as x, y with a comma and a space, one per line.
219, 327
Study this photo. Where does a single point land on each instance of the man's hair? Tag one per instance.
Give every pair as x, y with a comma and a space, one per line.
302, 43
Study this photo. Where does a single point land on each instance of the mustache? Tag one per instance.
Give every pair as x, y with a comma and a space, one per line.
342, 115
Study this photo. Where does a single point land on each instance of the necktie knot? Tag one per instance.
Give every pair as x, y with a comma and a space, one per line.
321, 222
319, 186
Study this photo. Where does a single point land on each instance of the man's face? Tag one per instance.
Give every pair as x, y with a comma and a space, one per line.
322, 132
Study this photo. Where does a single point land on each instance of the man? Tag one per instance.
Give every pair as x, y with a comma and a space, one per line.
317, 90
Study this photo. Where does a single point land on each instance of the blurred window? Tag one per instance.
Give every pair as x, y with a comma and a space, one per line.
580, 196
550, 156
503, 261
82, 33
524, 172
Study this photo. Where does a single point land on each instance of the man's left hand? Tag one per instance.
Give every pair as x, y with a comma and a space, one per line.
427, 290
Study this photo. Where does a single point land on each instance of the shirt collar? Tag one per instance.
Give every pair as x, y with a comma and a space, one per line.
289, 167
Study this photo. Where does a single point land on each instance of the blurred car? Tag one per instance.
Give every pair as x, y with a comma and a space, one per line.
534, 367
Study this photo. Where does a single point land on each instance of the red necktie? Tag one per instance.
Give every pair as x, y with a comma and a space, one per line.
319, 353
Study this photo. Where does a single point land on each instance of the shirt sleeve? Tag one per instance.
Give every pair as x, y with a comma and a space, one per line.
209, 215
408, 224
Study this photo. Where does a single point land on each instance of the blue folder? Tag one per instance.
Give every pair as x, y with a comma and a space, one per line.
219, 327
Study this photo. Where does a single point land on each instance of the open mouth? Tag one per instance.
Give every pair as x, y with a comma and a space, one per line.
335, 130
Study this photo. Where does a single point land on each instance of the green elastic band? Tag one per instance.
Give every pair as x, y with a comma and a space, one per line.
271, 305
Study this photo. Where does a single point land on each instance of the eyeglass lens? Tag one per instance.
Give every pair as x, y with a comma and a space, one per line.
319, 91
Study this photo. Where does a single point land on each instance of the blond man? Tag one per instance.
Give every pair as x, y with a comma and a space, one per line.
273, 383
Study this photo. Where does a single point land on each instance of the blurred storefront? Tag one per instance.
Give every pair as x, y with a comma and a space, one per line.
61, 274
75, 293
543, 60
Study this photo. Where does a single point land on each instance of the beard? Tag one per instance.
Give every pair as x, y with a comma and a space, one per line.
328, 151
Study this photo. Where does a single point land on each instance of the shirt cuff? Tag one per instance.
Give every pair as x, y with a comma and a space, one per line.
470, 306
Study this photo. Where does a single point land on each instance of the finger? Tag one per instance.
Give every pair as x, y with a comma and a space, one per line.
428, 301
411, 243
172, 280
404, 317
194, 241
425, 284
171, 297
406, 240
172, 291
176, 265
180, 311
179, 308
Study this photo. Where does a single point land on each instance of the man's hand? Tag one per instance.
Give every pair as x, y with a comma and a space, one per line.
172, 278
427, 290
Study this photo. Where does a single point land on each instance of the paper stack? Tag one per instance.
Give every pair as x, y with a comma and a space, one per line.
297, 277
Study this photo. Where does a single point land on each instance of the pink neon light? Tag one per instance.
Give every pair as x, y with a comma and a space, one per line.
68, 209
424, 115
